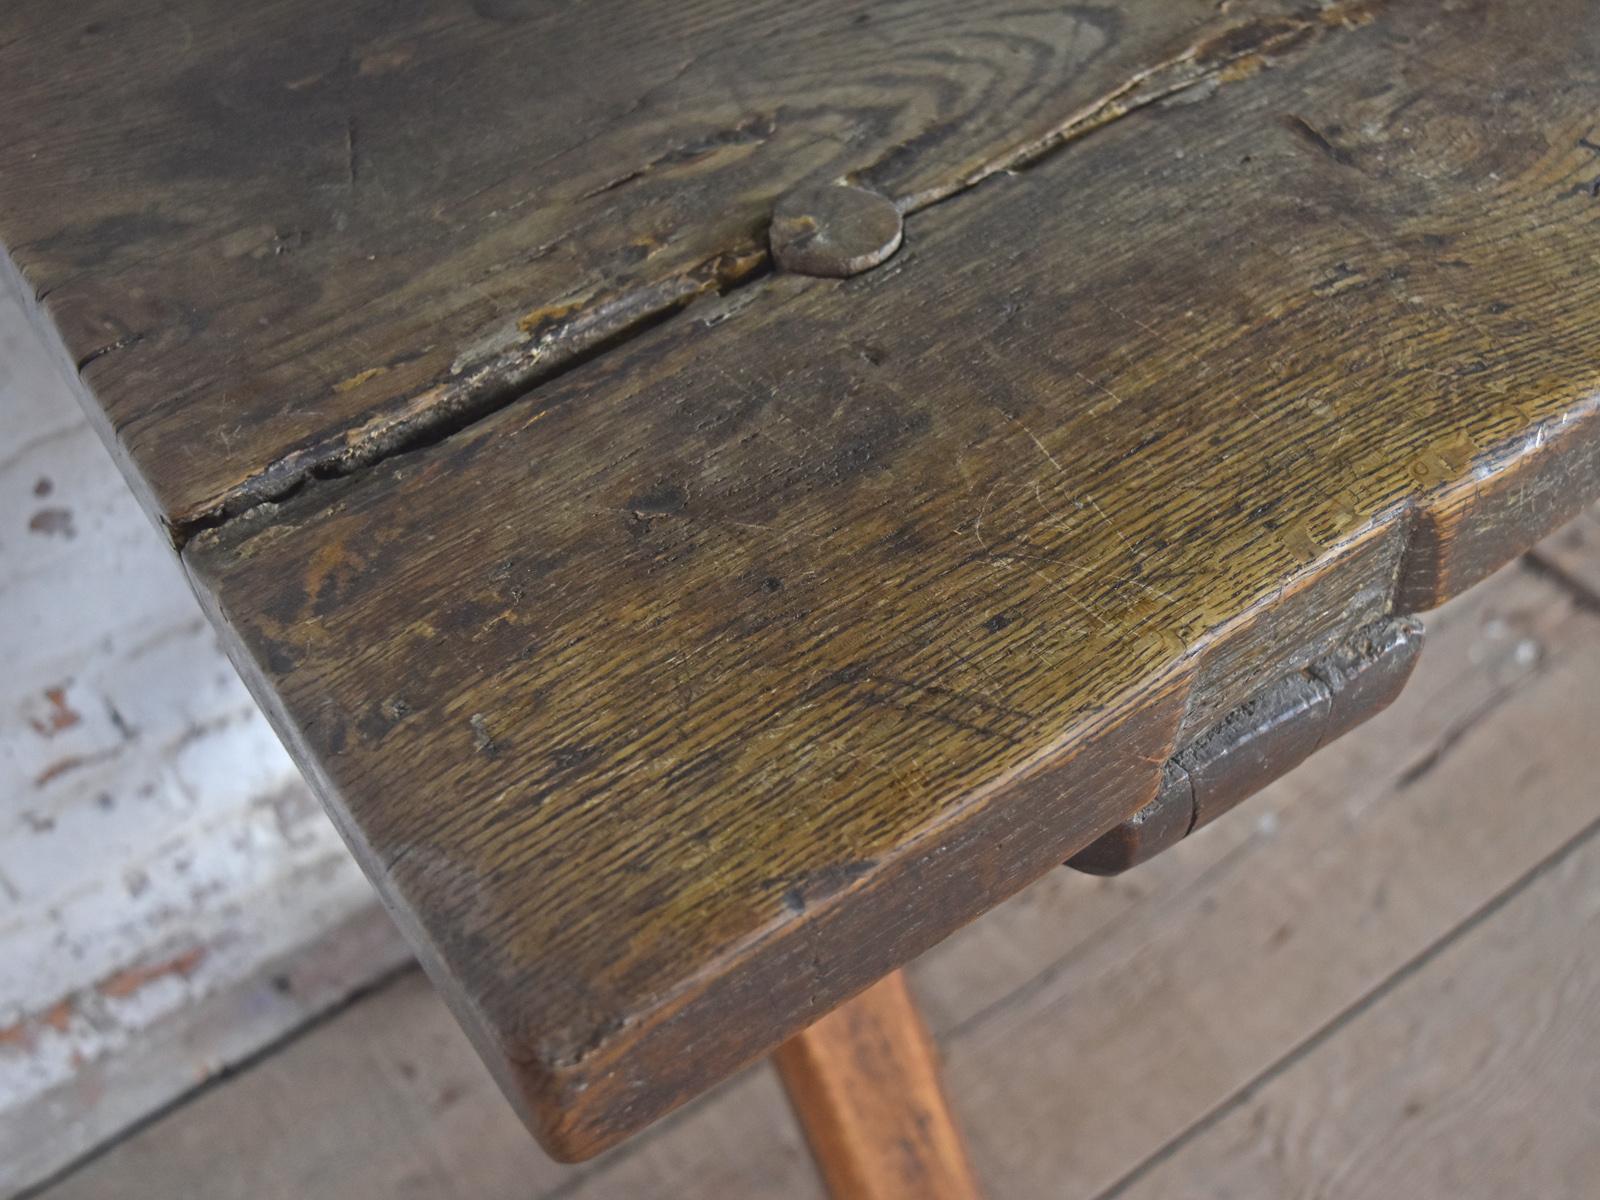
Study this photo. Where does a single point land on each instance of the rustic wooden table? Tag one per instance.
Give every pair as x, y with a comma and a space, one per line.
715, 499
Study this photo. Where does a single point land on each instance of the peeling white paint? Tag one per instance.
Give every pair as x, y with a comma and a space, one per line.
162, 867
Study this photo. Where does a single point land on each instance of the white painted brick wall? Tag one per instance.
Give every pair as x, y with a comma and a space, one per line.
171, 897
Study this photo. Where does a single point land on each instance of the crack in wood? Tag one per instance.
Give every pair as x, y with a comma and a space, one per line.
494, 377
1236, 53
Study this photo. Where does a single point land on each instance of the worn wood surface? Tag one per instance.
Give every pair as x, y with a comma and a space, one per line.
285, 239
1088, 1024
1267, 736
681, 700
864, 1085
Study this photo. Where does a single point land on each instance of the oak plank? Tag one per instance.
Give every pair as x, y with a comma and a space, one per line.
287, 238
739, 665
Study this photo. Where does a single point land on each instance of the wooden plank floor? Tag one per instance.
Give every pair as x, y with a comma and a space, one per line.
1379, 978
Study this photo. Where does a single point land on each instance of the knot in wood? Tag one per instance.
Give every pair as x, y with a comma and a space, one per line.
833, 230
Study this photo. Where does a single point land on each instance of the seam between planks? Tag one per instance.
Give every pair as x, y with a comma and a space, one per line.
480, 387
220, 1079
1401, 975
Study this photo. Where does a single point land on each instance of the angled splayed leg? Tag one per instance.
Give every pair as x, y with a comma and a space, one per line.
864, 1083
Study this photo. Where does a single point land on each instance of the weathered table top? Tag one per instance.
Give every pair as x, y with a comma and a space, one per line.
677, 669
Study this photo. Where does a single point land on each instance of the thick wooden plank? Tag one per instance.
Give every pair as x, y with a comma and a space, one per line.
403, 1105
744, 662
864, 1085
1474, 1079
286, 238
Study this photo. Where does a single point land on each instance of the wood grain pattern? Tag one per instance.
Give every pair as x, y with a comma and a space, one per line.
864, 1085
742, 663
285, 240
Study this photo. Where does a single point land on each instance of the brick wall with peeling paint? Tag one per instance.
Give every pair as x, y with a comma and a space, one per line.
171, 897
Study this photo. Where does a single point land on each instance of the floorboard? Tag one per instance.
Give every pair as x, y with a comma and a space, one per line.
1472, 1076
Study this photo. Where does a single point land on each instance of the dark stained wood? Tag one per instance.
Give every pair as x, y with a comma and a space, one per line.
1161, 824
742, 663
1366, 674
1262, 740
286, 238
864, 1084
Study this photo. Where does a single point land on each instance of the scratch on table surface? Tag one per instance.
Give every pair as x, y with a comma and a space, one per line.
1059, 588
1060, 470
350, 152
1163, 339
1096, 384
1034, 437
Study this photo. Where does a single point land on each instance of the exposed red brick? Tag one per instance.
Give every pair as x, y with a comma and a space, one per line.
130, 979
61, 715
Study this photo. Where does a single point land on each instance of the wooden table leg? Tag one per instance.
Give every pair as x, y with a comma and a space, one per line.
864, 1083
